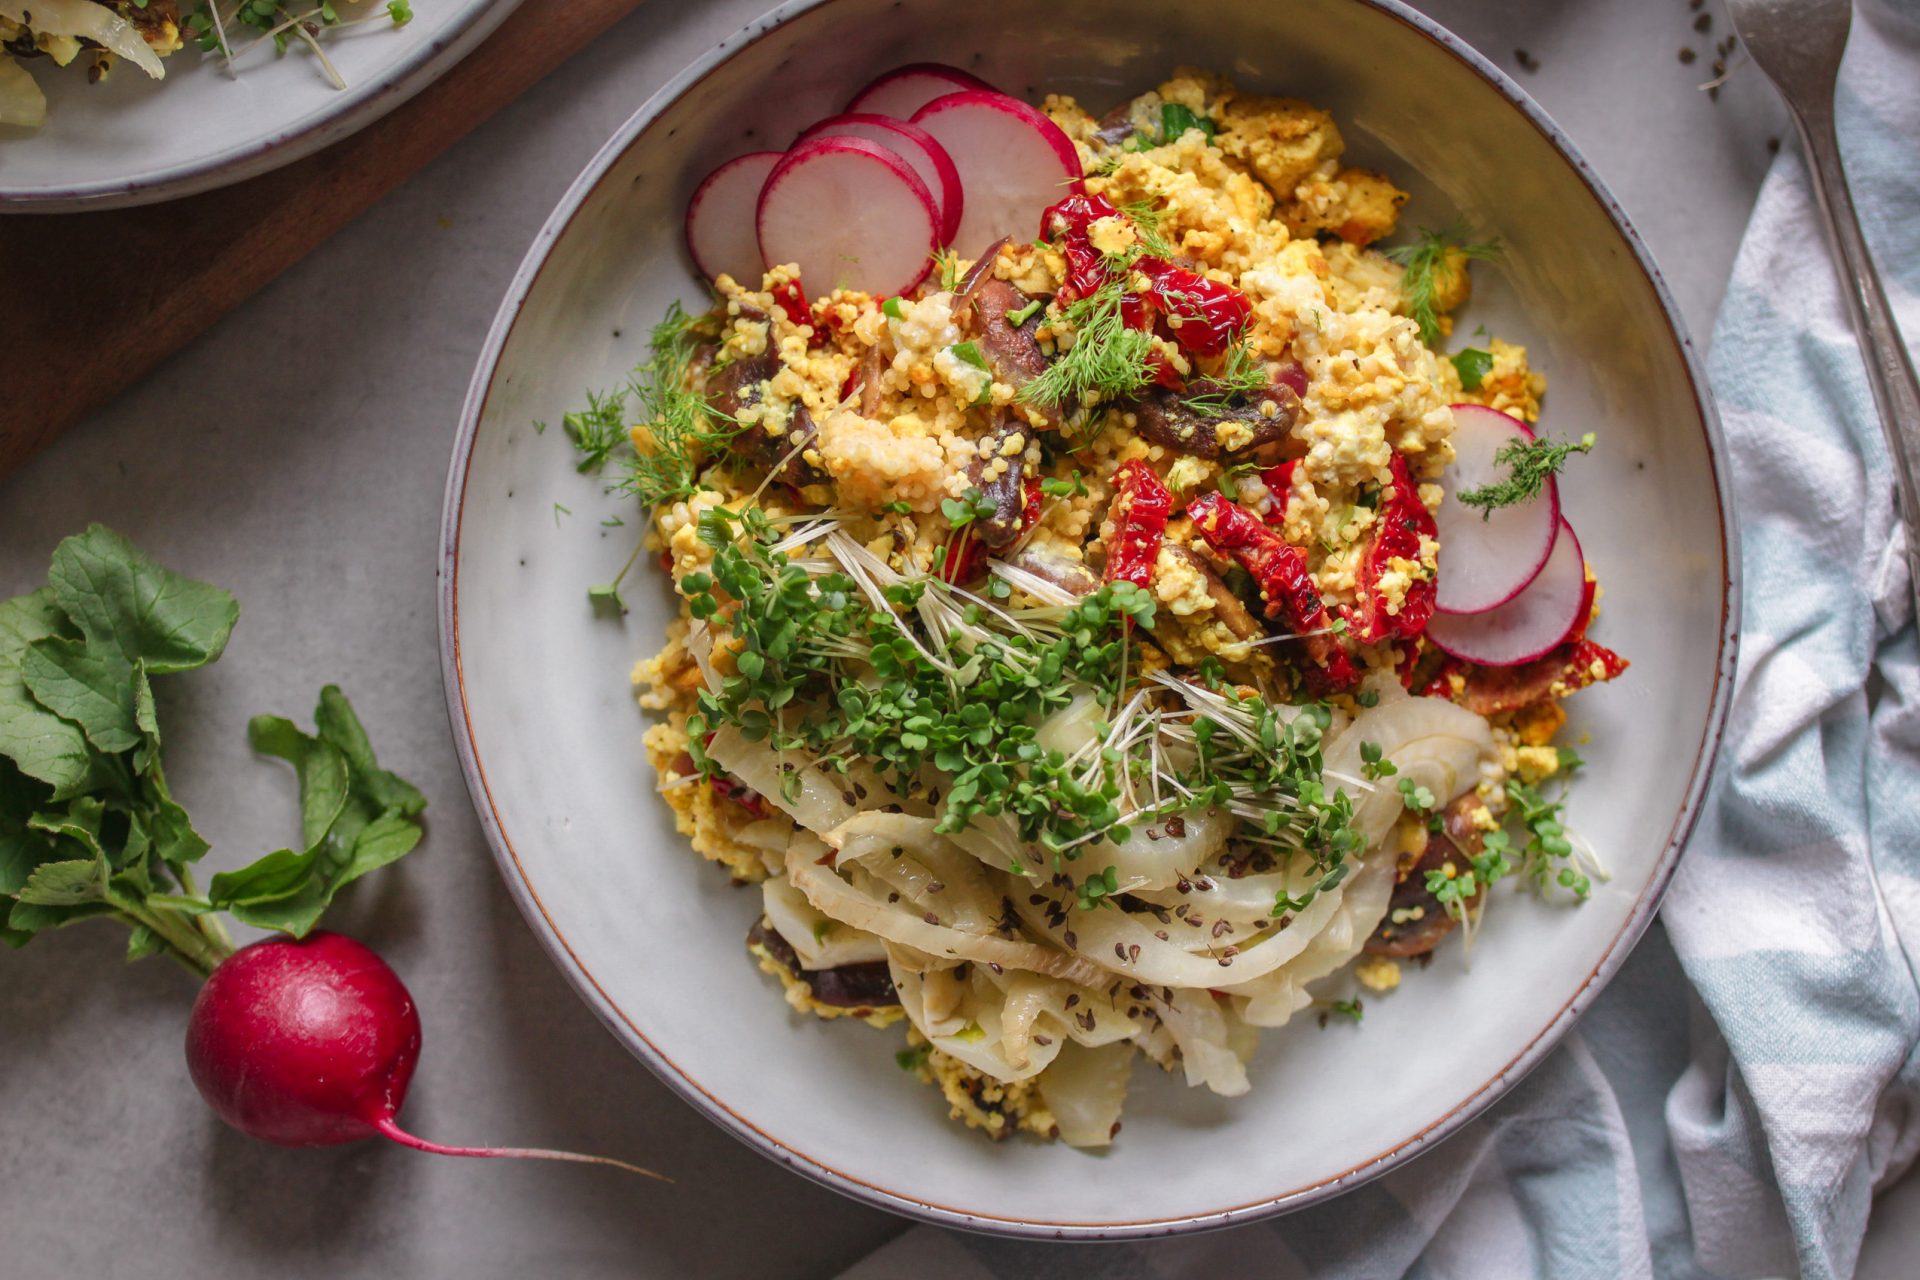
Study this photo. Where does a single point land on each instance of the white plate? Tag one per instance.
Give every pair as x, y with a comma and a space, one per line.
652, 937
132, 140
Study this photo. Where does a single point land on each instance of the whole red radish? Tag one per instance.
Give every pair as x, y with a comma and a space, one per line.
306, 1043
311, 1042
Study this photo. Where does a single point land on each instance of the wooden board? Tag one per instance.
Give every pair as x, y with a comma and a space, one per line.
76, 332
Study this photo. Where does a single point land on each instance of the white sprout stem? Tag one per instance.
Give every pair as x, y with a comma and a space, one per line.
859, 564
326, 63
1052, 594
220, 34
805, 535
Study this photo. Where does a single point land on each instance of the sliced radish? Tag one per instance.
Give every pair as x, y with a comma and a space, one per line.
851, 214
917, 147
1013, 163
904, 90
720, 219
1530, 625
1488, 558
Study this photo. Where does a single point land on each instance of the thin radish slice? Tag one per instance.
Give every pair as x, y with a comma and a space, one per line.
851, 214
1013, 163
904, 90
1530, 625
1488, 558
721, 234
917, 147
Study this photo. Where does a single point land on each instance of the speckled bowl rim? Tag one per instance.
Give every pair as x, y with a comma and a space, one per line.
898, 1201
353, 110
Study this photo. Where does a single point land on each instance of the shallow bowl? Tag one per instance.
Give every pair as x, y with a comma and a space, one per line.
652, 937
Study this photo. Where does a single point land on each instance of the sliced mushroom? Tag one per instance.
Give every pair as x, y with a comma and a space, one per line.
872, 366
736, 387
978, 274
1116, 126
1069, 575
1229, 608
998, 470
1012, 351
1416, 920
848, 986
786, 453
1168, 418
740, 386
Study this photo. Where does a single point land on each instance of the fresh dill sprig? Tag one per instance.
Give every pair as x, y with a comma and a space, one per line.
1108, 361
1424, 260
1529, 463
597, 430
678, 430
1146, 216
1240, 375
947, 263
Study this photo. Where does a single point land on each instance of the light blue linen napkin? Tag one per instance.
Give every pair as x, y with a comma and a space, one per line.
1749, 1080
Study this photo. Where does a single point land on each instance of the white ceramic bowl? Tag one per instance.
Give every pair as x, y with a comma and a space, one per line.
652, 936
131, 140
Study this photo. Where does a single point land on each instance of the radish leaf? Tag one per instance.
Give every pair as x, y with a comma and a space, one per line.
322, 771
65, 884
78, 725
120, 599
336, 723
86, 685
36, 739
355, 816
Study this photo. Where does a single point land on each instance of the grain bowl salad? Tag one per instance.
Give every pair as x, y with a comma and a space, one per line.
1108, 625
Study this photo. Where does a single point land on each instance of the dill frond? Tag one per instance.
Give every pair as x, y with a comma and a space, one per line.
1240, 375
677, 430
1529, 463
1422, 262
1108, 361
1146, 216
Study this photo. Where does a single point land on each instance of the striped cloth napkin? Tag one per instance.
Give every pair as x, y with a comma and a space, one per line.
1731, 1104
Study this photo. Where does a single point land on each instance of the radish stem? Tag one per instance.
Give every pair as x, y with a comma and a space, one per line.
188, 944
389, 1129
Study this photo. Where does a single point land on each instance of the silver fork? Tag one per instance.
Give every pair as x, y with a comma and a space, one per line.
1798, 43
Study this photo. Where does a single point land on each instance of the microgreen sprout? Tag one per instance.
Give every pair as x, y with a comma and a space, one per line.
1417, 797
1374, 764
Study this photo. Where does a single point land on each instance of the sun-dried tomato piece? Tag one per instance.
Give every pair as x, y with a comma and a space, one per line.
1280, 571
1567, 670
1203, 316
1279, 482
1402, 521
1141, 506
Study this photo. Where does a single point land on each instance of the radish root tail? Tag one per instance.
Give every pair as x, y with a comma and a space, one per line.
389, 1129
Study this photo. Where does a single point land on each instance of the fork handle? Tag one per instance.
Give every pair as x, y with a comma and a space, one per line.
1896, 392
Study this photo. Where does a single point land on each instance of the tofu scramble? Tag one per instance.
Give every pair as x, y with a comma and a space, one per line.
1051, 654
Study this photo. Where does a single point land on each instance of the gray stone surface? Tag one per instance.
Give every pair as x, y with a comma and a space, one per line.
296, 454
